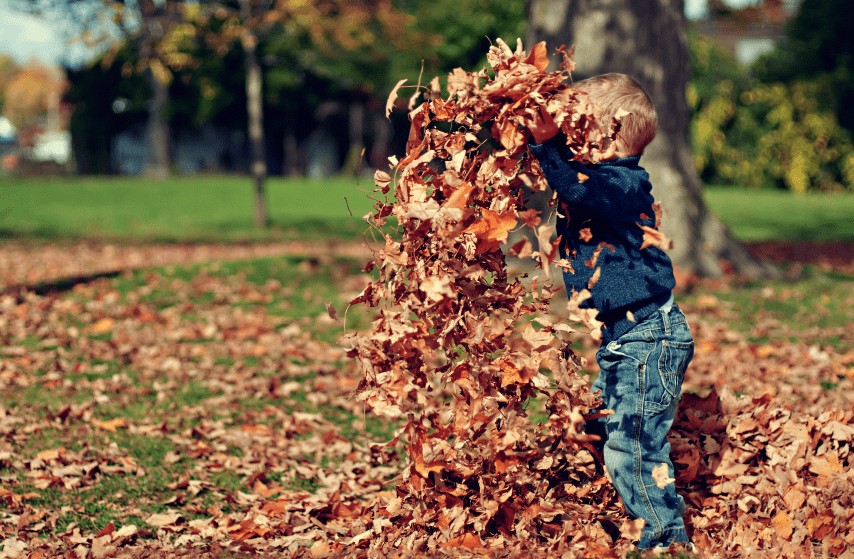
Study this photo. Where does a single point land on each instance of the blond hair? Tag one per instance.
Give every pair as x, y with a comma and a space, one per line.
613, 92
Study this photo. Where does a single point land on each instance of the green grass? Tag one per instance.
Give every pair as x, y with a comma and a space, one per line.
221, 208
815, 309
766, 215
198, 208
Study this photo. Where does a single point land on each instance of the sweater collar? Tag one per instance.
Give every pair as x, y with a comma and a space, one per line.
630, 161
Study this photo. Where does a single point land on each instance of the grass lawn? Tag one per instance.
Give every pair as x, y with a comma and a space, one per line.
198, 208
222, 208
764, 215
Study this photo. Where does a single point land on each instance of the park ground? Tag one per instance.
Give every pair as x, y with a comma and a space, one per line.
192, 397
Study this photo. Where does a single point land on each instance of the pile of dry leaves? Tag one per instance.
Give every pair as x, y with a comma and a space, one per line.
442, 355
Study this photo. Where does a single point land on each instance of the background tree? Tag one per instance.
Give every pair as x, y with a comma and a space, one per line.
8, 69
819, 46
144, 23
647, 40
32, 92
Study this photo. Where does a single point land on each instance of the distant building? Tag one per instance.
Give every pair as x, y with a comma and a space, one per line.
8, 133
750, 32
53, 146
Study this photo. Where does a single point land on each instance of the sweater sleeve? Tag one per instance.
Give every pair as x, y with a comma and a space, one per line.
561, 173
615, 190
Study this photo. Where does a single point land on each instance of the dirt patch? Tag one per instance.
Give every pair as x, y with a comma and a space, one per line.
837, 255
25, 264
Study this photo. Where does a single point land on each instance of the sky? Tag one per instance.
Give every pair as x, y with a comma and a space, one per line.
25, 37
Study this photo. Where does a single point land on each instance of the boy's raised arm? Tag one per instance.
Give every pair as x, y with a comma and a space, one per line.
601, 189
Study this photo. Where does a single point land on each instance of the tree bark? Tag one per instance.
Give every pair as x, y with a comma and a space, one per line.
157, 129
255, 110
356, 133
646, 39
158, 134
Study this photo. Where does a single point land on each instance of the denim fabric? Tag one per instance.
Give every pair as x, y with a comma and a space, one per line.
641, 380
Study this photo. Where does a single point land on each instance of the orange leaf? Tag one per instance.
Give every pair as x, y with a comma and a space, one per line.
48, 455
470, 541
459, 198
102, 326
493, 226
539, 57
106, 530
110, 425
654, 237
782, 524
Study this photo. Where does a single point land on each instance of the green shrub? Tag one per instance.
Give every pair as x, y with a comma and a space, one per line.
752, 134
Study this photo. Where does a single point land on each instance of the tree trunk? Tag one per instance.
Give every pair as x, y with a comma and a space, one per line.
646, 39
157, 131
356, 132
255, 110
291, 166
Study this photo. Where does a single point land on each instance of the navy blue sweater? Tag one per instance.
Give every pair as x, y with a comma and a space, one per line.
606, 211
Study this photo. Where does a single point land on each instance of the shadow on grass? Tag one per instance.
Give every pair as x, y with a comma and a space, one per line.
59, 286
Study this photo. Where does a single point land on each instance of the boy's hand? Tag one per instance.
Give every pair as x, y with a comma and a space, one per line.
543, 127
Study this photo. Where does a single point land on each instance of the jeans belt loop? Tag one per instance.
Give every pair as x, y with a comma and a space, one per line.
666, 318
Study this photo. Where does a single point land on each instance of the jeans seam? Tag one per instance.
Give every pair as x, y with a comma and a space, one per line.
636, 444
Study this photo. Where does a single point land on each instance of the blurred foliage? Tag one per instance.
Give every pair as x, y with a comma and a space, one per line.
105, 101
8, 69
819, 46
747, 132
466, 29
31, 92
312, 53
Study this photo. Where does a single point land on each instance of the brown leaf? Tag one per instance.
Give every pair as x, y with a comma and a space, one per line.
654, 237
539, 56
392, 98
493, 227
661, 476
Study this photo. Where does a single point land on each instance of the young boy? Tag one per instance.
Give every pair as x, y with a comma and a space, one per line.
646, 344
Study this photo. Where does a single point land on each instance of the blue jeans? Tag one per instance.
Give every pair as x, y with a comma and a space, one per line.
641, 381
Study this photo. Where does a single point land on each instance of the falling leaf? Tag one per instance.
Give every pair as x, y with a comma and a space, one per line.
654, 237
661, 476
392, 98
539, 56
330, 310
493, 227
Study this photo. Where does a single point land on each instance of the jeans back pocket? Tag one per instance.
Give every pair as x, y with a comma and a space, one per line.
670, 372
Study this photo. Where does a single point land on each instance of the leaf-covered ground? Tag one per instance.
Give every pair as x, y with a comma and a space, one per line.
207, 408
